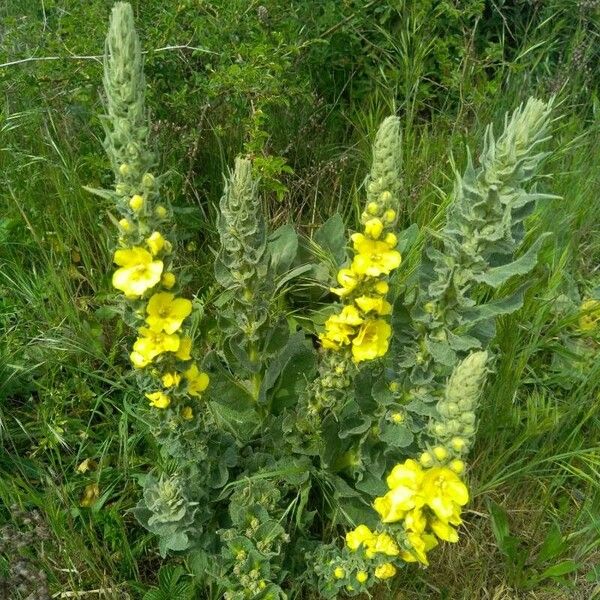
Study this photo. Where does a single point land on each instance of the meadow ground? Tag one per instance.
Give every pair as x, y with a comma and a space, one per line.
533, 527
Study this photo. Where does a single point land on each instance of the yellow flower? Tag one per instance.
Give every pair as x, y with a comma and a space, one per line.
381, 287
168, 280
444, 531
590, 315
384, 544
408, 473
362, 576
443, 491
138, 272
339, 573
185, 349
396, 503
339, 328
405, 485
373, 258
167, 313
197, 381
378, 305
361, 535
348, 280
385, 571
420, 545
373, 228
151, 344
87, 465
415, 521
187, 413
158, 399
171, 379
372, 340
136, 202
156, 242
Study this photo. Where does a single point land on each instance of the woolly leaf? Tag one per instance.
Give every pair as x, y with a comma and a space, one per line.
497, 276
331, 236
283, 246
396, 435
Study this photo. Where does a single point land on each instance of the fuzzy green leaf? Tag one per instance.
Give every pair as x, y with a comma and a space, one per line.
497, 276
283, 247
331, 236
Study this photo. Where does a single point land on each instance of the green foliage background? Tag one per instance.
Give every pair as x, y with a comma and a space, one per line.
300, 86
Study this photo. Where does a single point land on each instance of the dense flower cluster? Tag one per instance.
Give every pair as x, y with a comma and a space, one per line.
427, 501
363, 287
145, 279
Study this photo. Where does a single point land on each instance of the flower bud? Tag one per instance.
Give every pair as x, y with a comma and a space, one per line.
429, 307
121, 189
397, 418
373, 228
426, 459
389, 216
136, 202
465, 404
440, 453
457, 465
468, 418
439, 429
168, 280
124, 169
391, 240
148, 180
126, 224
385, 197
160, 211
452, 408
458, 444
394, 386
453, 426
373, 208
362, 576
469, 430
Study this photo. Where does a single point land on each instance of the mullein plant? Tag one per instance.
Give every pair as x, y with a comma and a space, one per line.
281, 442
162, 352
434, 373
162, 355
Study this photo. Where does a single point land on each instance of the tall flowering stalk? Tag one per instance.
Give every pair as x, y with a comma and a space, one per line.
359, 331
242, 267
162, 352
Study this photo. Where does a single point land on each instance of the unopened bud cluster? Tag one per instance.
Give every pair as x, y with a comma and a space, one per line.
454, 428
